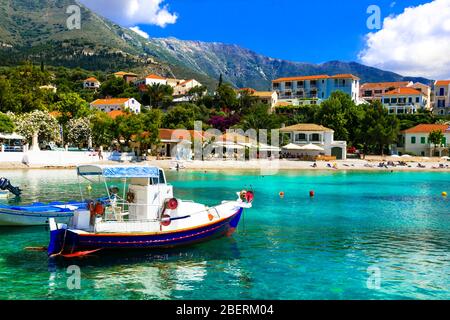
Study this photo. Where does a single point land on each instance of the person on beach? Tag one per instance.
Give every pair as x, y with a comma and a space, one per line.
100, 155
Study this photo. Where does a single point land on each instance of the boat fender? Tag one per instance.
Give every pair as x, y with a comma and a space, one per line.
249, 196
130, 197
99, 209
165, 220
172, 204
242, 195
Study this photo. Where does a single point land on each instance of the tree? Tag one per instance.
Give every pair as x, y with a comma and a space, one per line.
158, 95
258, 117
6, 124
70, 105
79, 132
379, 127
184, 115
197, 92
127, 126
436, 138
226, 98
102, 129
113, 87
37, 126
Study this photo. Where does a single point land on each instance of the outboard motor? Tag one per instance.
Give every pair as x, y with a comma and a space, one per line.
5, 184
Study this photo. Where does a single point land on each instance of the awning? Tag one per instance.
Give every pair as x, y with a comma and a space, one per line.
118, 171
292, 146
266, 147
311, 147
11, 136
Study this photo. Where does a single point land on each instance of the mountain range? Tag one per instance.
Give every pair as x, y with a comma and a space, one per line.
37, 30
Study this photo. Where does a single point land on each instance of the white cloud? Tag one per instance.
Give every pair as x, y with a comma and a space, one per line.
414, 43
140, 32
132, 12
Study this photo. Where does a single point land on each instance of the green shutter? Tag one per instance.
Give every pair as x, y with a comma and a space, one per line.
413, 140
422, 140
444, 141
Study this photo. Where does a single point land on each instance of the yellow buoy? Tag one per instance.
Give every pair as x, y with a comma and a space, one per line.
444, 194
89, 187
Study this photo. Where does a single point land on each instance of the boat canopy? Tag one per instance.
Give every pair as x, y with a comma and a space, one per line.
118, 171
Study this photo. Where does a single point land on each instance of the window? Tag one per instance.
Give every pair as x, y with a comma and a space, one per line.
423, 140
367, 93
300, 84
409, 100
387, 100
300, 137
323, 94
161, 177
441, 103
413, 140
417, 100
378, 91
442, 91
315, 137
288, 85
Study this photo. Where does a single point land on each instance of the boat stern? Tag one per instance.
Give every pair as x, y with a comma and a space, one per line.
56, 243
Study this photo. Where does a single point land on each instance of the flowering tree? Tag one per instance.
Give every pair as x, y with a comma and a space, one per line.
37, 126
79, 131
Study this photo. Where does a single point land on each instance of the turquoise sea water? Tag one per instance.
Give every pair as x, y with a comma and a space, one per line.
397, 224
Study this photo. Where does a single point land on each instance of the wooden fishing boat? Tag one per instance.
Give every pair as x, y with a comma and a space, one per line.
145, 215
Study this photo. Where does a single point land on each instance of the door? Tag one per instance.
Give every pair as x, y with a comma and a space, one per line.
336, 152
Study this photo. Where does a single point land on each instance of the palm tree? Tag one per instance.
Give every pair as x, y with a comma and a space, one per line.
159, 94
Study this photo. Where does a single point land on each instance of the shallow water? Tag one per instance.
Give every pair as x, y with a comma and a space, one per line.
290, 248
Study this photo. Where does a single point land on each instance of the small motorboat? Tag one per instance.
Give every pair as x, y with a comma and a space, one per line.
144, 216
38, 214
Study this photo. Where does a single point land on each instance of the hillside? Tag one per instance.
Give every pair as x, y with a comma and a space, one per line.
36, 30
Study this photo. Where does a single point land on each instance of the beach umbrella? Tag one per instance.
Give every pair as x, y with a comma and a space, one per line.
406, 156
311, 147
292, 146
445, 158
395, 156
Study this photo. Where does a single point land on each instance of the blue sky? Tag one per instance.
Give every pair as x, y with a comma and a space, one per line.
414, 39
306, 31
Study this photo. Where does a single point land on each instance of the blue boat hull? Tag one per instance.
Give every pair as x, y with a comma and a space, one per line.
67, 242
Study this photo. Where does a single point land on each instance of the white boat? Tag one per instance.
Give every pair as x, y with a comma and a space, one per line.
4, 194
143, 215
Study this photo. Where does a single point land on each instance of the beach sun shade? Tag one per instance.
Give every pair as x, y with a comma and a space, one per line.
11, 136
292, 146
311, 147
445, 158
118, 171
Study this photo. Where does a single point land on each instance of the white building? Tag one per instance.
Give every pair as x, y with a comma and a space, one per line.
150, 80
117, 104
442, 97
415, 140
310, 90
91, 83
183, 88
307, 133
404, 101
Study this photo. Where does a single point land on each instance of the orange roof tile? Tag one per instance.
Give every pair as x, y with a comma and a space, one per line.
168, 134
345, 76
154, 76
403, 91
428, 128
384, 85
91, 79
122, 73
442, 82
116, 113
113, 101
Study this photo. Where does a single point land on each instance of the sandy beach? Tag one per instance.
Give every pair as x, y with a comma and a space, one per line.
371, 163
